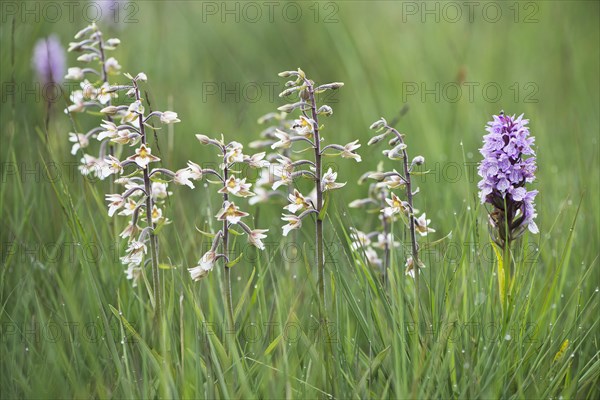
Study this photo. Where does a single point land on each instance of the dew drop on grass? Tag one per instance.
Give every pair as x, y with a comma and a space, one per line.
239, 278
205, 185
294, 277
507, 337
597, 290
26, 348
468, 208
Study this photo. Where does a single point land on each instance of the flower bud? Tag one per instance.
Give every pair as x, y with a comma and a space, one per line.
85, 30
288, 91
325, 110
287, 74
377, 139
360, 203
418, 160
87, 57
110, 110
304, 95
74, 73
378, 124
396, 152
327, 86
377, 175
75, 46
113, 42
203, 139
287, 108
169, 117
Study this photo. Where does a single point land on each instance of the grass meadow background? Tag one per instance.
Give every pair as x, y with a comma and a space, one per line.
72, 325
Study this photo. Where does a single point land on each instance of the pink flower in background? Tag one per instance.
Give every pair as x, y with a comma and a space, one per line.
49, 60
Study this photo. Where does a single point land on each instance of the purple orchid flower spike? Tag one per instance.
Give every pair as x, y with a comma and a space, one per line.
508, 165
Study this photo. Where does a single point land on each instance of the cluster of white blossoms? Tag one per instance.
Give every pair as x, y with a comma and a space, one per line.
305, 130
123, 125
230, 186
264, 187
390, 205
375, 245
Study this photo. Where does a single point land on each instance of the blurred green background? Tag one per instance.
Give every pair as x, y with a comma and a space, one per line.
218, 69
216, 65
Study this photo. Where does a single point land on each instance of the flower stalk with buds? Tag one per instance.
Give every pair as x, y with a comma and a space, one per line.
95, 94
380, 239
143, 194
395, 206
508, 165
307, 131
263, 187
231, 186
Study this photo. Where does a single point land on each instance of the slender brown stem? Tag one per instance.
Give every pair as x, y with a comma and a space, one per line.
111, 149
156, 289
319, 245
386, 248
228, 295
415, 253
411, 217
104, 76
